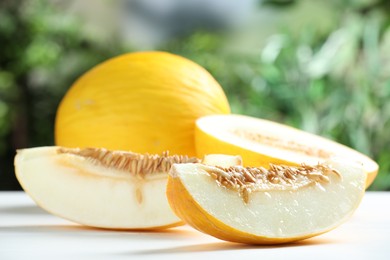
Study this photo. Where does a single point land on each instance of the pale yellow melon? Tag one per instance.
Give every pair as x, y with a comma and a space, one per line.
260, 142
102, 188
259, 206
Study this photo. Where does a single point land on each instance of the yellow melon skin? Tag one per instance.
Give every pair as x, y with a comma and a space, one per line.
208, 144
146, 102
212, 136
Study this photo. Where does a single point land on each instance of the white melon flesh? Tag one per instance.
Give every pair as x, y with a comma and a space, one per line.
72, 187
284, 215
222, 160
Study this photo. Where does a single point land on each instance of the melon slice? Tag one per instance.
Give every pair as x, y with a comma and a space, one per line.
99, 188
102, 188
260, 206
260, 142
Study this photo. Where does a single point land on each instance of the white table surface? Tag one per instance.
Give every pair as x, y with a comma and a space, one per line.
28, 232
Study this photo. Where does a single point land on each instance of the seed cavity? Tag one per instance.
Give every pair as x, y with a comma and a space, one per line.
246, 180
134, 163
281, 143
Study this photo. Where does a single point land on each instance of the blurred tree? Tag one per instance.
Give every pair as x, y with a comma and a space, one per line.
42, 52
332, 83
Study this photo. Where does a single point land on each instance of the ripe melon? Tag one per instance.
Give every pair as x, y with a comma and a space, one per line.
146, 102
103, 188
260, 206
260, 142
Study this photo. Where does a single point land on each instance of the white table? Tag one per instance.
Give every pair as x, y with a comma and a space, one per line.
28, 232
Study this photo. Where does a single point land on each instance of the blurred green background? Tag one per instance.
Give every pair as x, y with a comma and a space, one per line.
321, 66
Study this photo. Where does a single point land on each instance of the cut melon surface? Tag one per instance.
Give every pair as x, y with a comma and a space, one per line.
99, 188
260, 142
283, 205
222, 160
103, 188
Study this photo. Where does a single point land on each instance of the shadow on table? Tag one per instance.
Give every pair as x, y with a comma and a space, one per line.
75, 230
223, 246
23, 210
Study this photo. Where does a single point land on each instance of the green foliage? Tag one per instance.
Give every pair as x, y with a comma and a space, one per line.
336, 85
42, 52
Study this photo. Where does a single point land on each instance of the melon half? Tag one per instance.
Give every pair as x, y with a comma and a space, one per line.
260, 142
260, 206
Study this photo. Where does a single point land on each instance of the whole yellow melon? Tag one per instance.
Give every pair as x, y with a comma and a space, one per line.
146, 102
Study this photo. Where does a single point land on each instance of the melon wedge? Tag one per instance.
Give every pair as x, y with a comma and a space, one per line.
260, 206
99, 188
102, 188
260, 142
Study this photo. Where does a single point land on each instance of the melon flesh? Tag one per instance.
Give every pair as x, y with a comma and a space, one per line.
260, 142
269, 216
222, 160
72, 187
105, 193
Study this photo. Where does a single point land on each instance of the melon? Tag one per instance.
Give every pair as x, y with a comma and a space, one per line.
102, 188
255, 205
145, 102
260, 142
